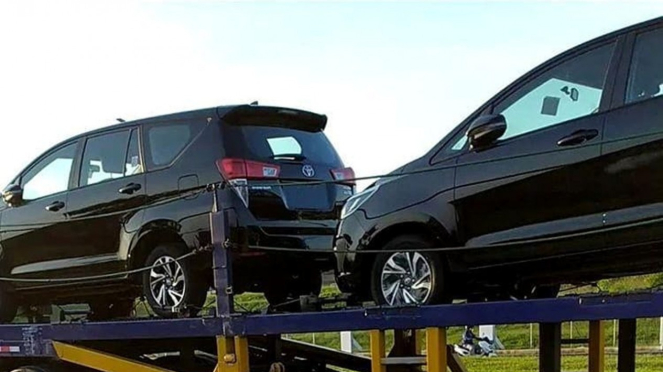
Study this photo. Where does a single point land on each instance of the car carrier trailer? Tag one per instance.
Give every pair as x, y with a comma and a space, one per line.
232, 342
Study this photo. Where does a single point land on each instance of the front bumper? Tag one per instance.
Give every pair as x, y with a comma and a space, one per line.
351, 238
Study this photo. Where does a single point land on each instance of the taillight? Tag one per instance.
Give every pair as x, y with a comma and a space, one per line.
344, 174
232, 168
238, 171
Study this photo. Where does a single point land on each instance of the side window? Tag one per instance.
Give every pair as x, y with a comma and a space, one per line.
565, 92
50, 175
164, 142
645, 78
104, 158
460, 143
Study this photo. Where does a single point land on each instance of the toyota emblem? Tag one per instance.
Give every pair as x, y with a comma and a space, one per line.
308, 171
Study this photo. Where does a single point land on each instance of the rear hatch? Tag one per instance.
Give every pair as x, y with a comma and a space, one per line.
271, 151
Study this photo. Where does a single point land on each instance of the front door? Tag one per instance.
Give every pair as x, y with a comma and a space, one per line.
532, 192
35, 234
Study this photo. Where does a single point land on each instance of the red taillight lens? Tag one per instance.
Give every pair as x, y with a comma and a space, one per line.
344, 174
232, 168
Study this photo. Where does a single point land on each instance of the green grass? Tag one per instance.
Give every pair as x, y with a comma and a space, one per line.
644, 363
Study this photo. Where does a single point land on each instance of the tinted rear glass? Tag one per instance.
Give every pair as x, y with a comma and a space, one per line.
262, 143
165, 141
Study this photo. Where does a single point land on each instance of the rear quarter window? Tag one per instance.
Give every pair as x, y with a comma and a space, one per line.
164, 142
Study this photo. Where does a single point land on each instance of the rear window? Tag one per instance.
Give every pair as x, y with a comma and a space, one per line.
268, 143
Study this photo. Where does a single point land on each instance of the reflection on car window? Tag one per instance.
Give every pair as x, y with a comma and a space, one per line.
284, 145
104, 158
49, 176
167, 141
268, 142
646, 75
460, 144
568, 91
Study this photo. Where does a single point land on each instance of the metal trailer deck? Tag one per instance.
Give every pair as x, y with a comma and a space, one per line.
233, 342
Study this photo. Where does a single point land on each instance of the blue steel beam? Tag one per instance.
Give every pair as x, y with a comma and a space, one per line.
34, 339
639, 305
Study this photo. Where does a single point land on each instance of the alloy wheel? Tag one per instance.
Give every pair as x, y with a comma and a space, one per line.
167, 282
406, 279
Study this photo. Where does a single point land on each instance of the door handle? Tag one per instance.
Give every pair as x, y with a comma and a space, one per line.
55, 206
130, 188
578, 137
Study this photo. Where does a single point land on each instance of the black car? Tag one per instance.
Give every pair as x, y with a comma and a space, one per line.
556, 179
133, 195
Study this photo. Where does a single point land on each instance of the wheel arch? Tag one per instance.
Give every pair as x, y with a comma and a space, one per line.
426, 228
422, 225
150, 237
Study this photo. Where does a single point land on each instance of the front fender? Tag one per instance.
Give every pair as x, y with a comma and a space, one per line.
435, 221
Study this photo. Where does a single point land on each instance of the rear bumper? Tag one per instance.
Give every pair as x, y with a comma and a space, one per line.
284, 248
303, 241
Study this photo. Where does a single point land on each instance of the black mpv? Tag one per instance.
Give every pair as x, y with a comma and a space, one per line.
129, 196
557, 179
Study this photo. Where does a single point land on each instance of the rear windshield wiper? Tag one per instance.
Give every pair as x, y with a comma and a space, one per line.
289, 156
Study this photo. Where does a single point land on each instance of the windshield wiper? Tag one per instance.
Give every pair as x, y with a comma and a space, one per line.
289, 156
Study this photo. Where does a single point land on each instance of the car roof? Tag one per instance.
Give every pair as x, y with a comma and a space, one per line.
192, 114
216, 112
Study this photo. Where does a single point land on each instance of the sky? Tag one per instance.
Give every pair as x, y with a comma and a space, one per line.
392, 77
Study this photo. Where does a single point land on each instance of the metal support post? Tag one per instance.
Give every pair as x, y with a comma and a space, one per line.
275, 347
378, 351
405, 344
233, 354
626, 352
596, 346
221, 263
550, 347
436, 349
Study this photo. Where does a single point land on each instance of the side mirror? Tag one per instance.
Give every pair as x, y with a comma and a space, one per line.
13, 195
485, 130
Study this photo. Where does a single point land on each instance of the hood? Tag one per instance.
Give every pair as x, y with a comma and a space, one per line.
394, 175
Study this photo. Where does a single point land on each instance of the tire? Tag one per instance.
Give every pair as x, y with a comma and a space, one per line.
31, 369
8, 306
178, 288
284, 293
101, 310
398, 289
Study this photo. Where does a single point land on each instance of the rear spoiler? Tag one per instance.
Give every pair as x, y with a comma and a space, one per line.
274, 116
